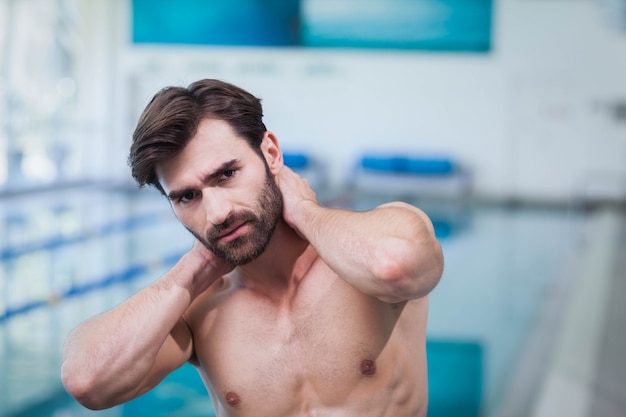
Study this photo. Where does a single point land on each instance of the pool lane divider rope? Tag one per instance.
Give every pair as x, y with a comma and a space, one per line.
57, 241
128, 274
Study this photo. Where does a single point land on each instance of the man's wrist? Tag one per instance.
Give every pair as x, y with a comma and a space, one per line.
190, 272
303, 216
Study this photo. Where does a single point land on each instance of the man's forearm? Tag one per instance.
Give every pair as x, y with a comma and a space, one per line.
389, 252
111, 354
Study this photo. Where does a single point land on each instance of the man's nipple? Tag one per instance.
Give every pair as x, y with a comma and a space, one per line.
368, 367
232, 398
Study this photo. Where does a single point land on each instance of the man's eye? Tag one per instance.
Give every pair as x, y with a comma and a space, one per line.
186, 197
228, 173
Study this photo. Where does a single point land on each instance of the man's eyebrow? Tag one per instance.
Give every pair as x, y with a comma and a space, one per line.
210, 177
176, 194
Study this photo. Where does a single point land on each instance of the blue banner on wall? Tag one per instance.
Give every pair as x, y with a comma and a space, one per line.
435, 25
216, 22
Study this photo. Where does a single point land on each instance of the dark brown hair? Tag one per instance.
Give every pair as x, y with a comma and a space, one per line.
172, 118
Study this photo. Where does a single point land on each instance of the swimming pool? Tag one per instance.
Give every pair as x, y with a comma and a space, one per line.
506, 267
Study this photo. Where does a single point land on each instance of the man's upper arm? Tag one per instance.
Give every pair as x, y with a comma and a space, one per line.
423, 216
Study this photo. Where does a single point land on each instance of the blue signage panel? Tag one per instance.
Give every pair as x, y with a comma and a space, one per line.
435, 25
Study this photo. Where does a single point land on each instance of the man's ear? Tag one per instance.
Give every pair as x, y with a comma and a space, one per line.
271, 152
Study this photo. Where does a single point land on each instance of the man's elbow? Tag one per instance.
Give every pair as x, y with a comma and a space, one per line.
81, 385
409, 277
431, 269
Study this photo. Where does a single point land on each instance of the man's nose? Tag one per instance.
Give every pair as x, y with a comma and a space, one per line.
217, 206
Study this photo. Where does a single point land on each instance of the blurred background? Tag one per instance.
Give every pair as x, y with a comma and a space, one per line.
505, 120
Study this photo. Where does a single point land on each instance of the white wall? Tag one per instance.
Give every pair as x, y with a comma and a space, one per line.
532, 118
565, 69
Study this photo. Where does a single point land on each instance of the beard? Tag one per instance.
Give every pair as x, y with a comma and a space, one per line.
262, 220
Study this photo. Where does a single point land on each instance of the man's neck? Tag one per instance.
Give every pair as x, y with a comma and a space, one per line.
279, 270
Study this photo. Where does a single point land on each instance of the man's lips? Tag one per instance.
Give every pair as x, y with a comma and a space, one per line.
231, 232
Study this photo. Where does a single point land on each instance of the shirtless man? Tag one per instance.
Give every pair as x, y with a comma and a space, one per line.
286, 308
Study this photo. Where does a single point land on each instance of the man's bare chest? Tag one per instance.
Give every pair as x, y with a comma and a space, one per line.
319, 350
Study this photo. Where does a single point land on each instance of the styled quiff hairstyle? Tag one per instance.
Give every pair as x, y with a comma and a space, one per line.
172, 118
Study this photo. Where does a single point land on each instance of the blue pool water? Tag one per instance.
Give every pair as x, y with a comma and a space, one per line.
503, 266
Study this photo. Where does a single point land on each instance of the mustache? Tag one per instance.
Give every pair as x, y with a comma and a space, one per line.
232, 219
